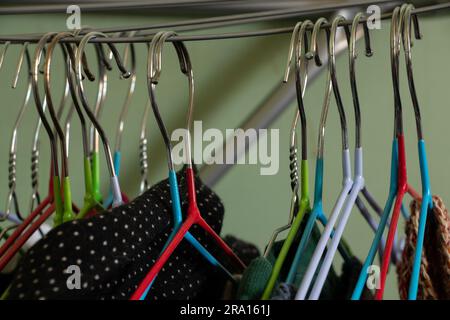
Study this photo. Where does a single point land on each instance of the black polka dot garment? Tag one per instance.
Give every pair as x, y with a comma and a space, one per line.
114, 250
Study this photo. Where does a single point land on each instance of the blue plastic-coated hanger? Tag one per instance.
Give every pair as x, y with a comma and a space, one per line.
427, 201
381, 226
402, 175
154, 66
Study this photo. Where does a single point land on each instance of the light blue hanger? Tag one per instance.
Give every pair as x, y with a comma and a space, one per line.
154, 69
358, 181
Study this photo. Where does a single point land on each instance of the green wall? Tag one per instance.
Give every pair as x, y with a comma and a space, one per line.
232, 78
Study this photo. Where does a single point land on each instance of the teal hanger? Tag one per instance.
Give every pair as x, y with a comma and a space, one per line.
154, 70
427, 200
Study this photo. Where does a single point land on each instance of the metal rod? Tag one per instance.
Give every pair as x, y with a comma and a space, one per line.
228, 20
176, 5
267, 32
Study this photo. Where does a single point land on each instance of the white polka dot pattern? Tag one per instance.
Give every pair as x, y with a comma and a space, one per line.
115, 249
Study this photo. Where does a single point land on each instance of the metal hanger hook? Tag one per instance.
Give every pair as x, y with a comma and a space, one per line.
294, 38
39, 105
47, 70
129, 50
301, 40
352, 40
314, 53
352, 62
408, 19
153, 74
12, 162
298, 40
2, 55
78, 68
332, 70
394, 55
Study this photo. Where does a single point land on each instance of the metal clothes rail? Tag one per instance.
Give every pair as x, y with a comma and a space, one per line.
215, 23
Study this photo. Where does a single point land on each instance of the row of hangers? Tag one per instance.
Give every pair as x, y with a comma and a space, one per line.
353, 187
58, 201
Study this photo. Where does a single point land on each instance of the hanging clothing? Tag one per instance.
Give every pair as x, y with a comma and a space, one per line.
254, 279
434, 281
335, 288
226, 289
257, 274
247, 251
114, 250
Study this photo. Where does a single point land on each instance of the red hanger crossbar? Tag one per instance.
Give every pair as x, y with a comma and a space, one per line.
193, 218
402, 188
28, 221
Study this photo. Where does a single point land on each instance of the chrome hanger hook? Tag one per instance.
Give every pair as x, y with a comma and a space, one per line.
3, 54
117, 197
298, 39
153, 74
143, 141
407, 44
294, 38
332, 67
47, 70
39, 105
131, 88
12, 163
396, 22
302, 41
352, 62
83, 97
314, 53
